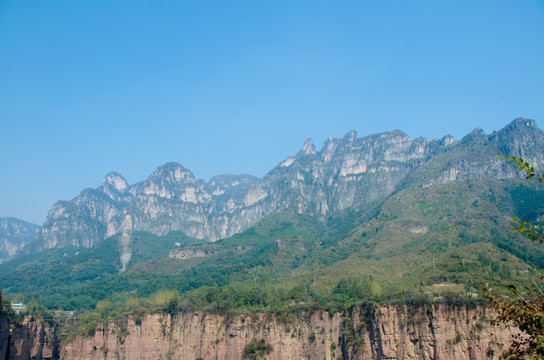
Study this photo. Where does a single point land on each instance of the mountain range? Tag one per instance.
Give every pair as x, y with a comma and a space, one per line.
346, 173
378, 217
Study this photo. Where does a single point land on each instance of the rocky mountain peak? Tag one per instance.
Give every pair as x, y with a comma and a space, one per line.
475, 135
172, 172
350, 172
308, 148
447, 140
350, 136
521, 123
328, 149
521, 137
172, 180
115, 182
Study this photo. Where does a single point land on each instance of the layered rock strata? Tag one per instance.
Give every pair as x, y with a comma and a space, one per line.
34, 339
388, 332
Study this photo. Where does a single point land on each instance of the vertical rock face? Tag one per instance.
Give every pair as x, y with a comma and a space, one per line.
4, 333
435, 333
349, 172
14, 235
389, 332
33, 339
92, 216
479, 161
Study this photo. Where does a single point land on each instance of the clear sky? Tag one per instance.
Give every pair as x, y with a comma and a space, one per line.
89, 87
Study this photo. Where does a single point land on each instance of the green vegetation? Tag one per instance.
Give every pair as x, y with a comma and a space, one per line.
76, 278
13, 318
525, 310
423, 244
256, 349
32, 309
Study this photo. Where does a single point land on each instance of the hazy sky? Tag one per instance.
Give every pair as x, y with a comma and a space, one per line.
89, 87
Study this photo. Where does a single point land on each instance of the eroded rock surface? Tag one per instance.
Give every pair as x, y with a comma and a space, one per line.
387, 332
34, 339
349, 172
14, 235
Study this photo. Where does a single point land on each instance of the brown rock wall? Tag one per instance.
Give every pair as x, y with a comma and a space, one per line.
33, 339
388, 332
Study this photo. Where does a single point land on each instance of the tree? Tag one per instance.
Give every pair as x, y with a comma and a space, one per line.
256, 349
525, 310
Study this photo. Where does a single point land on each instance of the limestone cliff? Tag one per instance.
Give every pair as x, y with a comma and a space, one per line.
388, 332
349, 172
34, 339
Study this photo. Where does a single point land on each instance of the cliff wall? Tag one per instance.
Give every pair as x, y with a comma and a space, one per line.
348, 172
388, 332
33, 339
4, 333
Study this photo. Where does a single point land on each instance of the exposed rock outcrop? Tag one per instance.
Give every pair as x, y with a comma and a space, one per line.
349, 172
14, 235
388, 332
34, 339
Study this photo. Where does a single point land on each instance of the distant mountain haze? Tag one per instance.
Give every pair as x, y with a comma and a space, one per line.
14, 235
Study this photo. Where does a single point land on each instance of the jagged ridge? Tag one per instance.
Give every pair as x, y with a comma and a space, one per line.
349, 172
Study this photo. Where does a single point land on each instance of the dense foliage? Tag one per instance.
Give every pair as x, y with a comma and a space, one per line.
422, 245
256, 349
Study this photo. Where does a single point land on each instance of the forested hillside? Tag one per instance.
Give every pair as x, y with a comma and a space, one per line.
442, 232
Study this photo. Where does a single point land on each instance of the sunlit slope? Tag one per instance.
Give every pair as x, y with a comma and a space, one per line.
446, 226
446, 233
455, 233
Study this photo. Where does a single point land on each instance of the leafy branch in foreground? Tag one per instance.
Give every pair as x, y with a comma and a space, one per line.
530, 231
524, 311
523, 166
525, 228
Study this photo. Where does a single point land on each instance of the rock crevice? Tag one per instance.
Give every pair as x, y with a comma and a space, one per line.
387, 332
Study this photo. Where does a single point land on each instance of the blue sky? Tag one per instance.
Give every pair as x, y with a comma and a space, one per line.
89, 87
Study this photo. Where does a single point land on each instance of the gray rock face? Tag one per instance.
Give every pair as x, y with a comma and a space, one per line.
14, 235
91, 216
349, 172
479, 160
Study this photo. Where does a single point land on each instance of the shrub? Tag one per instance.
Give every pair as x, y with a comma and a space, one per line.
256, 349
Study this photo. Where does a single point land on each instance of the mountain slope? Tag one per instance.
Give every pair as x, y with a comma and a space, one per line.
14, 235
384, 213
347, 173
422, 239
